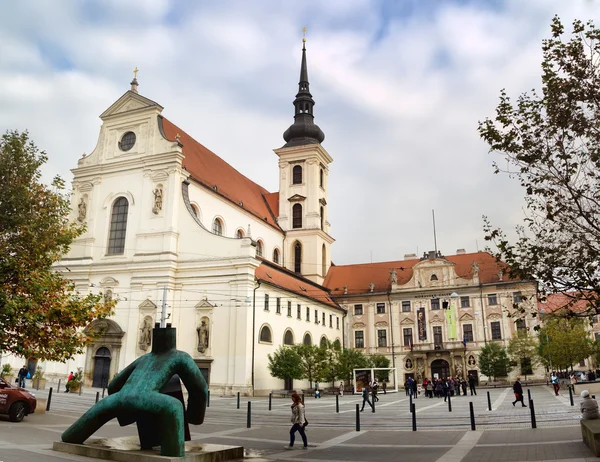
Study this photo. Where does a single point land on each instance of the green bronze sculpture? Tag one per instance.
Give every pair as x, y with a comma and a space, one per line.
134, 396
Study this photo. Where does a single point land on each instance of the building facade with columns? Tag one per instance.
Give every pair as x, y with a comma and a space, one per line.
430, 316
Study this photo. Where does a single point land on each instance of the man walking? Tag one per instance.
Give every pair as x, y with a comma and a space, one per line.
518, 390
374, 390
22, 375
472, 385
365, 397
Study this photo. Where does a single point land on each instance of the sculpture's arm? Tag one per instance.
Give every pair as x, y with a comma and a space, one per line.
117, 383
197, 389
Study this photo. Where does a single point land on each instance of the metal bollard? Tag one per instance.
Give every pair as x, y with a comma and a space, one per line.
532, 409
528, 394
58, 389
49, 399
337, 404
593, 396
97, 396
357, 418
472, 415
238, 400
414, 418
449, 403
571, 396
80, 388
373, 399
489, 401
270, 395
249, 415
302, 398
208, 399
103, 390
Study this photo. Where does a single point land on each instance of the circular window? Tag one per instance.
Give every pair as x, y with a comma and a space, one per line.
127, 141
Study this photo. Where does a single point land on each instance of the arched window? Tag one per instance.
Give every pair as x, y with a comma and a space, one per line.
324, 261
337, 344
288, 338
321, 178
118, 227
307, 339
265, 335
217, 227
323, 342
433, 277
322, 218
297, 174
196, 210
297, 216
239, 233
276, 256
298, 257
259, 248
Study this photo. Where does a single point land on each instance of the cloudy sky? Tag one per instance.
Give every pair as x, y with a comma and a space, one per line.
399, 86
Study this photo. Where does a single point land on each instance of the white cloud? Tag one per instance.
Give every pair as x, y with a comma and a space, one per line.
398, 96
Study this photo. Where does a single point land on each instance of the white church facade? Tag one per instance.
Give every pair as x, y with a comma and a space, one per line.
169, 221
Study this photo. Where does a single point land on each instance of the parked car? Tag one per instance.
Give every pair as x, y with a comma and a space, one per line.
15, 401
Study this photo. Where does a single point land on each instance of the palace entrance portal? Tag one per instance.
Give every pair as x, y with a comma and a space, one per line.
440, 369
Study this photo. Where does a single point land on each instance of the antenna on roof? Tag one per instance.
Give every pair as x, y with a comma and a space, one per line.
477, 244
434, 236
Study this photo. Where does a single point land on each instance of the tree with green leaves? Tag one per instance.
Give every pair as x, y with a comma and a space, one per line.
379, 360
523, 351
493, 361
285, 364
41, 315
313, 362
551, 144
348, 360
564, 342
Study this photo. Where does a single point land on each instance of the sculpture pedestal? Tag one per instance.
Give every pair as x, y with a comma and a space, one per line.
127, 449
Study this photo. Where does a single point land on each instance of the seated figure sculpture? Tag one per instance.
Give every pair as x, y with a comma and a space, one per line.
134, 396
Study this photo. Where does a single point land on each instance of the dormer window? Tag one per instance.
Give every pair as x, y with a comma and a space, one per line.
297, 174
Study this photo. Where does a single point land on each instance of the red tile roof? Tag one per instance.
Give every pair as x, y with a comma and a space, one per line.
278, 276
358, 277
210, 170
565, 301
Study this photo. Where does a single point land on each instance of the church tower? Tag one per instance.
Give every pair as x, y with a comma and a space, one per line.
303, 182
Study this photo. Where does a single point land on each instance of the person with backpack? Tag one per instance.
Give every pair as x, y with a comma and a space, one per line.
299, 422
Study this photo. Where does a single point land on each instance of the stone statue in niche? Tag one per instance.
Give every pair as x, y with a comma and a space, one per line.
475, 266
146, 333
202, 331
472, 361
458, 370
408, 365
158, 200
371, 287
345, 290
420, 369
81, 210
108, 296
394, 276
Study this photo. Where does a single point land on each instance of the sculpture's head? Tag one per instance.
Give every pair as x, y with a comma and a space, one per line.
164, 339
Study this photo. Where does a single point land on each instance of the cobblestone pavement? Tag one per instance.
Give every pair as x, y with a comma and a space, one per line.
503, 434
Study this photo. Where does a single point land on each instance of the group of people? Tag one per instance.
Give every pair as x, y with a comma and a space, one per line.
441, 388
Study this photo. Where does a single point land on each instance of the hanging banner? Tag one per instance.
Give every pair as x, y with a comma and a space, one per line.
451, 320
421, 325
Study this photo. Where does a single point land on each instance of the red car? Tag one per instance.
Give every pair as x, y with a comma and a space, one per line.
16, 402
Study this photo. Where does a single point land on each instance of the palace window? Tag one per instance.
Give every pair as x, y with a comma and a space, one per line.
465, 302
331, 321
492, 299
359, 339
278, 305
265, 334
266, 302
239, 234
323, 319
316, 316
288, 338
118, 227
435, 303
276, 256
297, 216
358, 310
298, 258
517, 297
297, 174
381, 308
381, 338
406, 307
407, 336
307, 339
467, 333
289, 309
299, 312
321, 178
217, 227
496, 331
259, 248
337, 323
307, 313
520, 324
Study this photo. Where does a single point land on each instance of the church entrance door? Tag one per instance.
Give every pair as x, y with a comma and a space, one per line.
101, 368
441, 368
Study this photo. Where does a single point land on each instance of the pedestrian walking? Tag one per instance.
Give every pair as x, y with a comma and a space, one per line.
429, 389
588, 407
463, 384
518, 390
406, 387
384, 387
22, 375
341, 388
415, 389
365, 397
374, 388
472, 385
555, 383
299, 421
